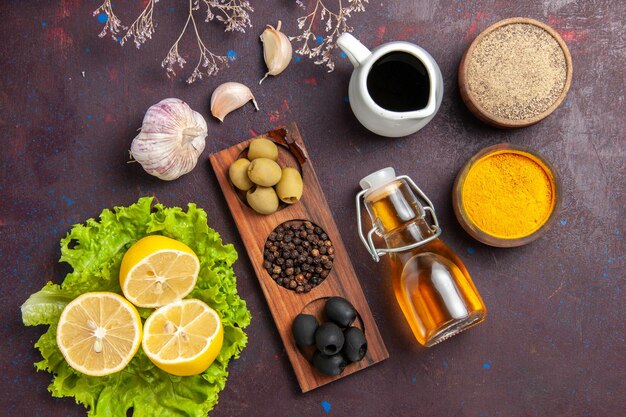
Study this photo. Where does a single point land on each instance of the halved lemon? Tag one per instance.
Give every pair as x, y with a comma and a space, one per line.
158, 270
99, 333
183, 338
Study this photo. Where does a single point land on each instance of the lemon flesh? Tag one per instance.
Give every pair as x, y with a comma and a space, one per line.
99, 333
158, 270
183, 338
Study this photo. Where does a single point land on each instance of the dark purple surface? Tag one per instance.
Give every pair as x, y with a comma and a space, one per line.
553, 343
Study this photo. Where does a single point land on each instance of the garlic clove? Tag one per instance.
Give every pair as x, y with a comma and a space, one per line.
171, 139
228, 97
276, 50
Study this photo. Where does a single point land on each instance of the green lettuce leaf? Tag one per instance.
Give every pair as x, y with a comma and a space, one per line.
95, 250
43, 306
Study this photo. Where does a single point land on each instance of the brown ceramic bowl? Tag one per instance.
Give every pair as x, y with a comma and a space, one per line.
470, 98
481, 235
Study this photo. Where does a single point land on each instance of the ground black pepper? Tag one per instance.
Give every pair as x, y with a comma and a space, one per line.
298, 256
517, 71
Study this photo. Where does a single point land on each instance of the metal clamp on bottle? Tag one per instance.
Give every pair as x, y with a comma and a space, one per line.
382, 177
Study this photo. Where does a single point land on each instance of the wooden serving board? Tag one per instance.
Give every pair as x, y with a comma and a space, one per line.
286, 304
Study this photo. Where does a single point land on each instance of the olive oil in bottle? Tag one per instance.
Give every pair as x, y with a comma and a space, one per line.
432, 286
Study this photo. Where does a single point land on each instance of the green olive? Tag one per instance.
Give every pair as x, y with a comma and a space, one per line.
263, 148
289, 188
262, 199
238, 173
264, 172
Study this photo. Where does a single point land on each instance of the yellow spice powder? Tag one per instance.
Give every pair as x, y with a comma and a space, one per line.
508, 194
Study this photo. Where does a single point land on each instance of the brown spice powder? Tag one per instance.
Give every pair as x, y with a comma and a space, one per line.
517, 71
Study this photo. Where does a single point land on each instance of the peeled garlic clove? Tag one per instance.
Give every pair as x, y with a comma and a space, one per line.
228, 97
172, 138
276, 50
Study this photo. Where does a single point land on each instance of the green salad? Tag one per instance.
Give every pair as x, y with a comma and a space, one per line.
94, 250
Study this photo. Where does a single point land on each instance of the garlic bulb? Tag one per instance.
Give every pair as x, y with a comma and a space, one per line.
276, 50
228, 97
172, 138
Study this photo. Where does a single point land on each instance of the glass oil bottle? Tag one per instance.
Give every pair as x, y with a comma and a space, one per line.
432, 286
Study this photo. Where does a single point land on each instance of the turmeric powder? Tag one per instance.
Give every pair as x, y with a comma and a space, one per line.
508, 194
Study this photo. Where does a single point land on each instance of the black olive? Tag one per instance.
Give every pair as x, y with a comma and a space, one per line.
303, 329
329, 365
355, 345
340, 311
329, 339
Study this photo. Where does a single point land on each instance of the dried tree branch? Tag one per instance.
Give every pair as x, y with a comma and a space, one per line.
142, 28
113, 25
234, 14
333, 23
208, 59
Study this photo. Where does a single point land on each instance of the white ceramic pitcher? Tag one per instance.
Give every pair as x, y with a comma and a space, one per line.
377, 119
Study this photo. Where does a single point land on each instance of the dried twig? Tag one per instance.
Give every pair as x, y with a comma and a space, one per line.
234, 14
208, 61
334, 24
113, 25
142, 28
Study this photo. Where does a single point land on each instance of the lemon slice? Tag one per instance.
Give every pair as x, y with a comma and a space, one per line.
99, 333
184, 337
158, 270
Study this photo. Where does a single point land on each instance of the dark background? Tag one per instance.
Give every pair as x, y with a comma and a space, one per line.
553, 343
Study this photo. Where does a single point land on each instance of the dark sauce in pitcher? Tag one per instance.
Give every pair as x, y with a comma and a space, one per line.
399, 82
